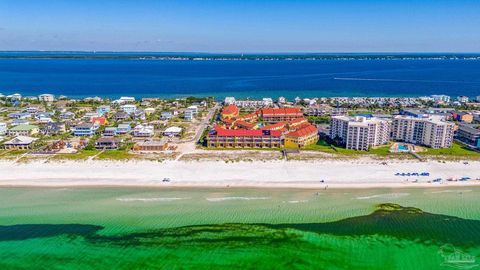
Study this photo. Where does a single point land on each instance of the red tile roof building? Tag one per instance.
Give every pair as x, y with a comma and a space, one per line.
242, 138
244, 125
301, 137
249, 117
275, 115
99, 120
276, 126
296, 123
230, 111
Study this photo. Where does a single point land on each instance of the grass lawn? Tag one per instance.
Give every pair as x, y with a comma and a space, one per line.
323, 146
457, 150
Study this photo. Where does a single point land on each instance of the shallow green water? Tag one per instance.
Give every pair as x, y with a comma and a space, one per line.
141, 228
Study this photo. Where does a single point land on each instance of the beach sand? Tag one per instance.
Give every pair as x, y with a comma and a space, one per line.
361, 173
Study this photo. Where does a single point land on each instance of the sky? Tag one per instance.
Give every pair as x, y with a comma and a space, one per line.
246, 26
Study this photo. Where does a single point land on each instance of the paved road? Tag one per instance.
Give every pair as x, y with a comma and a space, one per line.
189, 146
204, 124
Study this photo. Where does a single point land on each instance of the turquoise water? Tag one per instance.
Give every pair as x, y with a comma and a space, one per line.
148, 228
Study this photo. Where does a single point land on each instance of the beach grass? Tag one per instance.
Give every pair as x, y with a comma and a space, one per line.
116, 155
80, 155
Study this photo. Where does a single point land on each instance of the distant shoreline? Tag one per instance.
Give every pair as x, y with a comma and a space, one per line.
159, 56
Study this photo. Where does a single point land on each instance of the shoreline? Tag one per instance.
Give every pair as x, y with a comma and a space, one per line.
336, 174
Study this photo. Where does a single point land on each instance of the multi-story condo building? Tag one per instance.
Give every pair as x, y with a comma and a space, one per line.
441, 98
275, 115
462, 99
360, 133
469, 134
323, 110
241, 138
46, 97
431, 131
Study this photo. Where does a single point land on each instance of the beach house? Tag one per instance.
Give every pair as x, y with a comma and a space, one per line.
172, 131
101, 110
120, 116
124, 128
23, 130
67, 115
20, 115
107, 143
166, 115
151, 146
143, 131
466, 117
123, 100
110, 132
85, 129
149, 111
3, 128
190, 113
128, 108
19, 143
53, 128
99, 120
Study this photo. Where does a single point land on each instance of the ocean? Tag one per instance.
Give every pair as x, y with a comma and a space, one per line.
112, 78
239, 228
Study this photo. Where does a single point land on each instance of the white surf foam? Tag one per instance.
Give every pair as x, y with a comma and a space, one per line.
150, 199
300, 201
384, 196
451, 191
221, 199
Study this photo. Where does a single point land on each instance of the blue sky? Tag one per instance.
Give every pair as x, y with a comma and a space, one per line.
241, 26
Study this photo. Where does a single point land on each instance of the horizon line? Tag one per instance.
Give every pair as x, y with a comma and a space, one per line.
233, 52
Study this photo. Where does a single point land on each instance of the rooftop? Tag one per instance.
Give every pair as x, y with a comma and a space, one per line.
281, 111
246, 133
23, 127
309, 129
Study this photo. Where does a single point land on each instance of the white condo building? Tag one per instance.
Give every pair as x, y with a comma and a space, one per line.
462, 99
46, 97
360, 133
431, 130
441, 98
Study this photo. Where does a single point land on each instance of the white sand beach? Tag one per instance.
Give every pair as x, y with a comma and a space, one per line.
362, 173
